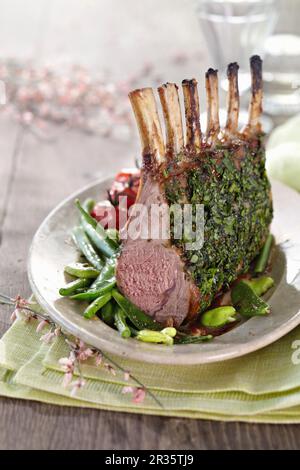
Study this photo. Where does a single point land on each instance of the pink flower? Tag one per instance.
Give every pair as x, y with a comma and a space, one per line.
71, 344
48, 337
128, 389
65, 361
72, 356
82, 351
126, 376
84, 354
67, 379
110, 368
41, 325
20, 302
79, 383
98, 359
139, 395
27, 117
27, 316
67, 364
14, 315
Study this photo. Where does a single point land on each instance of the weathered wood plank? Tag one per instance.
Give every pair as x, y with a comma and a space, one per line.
36, 426
9, 132
9, 145
44, 174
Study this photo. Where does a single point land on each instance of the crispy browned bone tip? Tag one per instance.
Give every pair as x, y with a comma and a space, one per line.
169, 98
233, 105
146, 115
212, 97
255, 107
192, 114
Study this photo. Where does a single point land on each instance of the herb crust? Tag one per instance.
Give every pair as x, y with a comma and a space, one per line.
232, 184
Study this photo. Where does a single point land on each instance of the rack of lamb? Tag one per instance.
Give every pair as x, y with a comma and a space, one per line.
222, 169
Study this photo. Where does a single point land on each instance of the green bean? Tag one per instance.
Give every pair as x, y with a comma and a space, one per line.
260, 285
88, 205
170, 331
120, 323
84, 245
107, 273
107, 313
86, 215
137, 317
247, 302
218, 316
74, 286
95, 306
113, 234
98, 240
150, 336
104, 282
97, 233
81, 270
133, 331
164, 336
92, 294
193, 339
264, 255
79, 291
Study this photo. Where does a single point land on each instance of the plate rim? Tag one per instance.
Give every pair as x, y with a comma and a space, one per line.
232, 352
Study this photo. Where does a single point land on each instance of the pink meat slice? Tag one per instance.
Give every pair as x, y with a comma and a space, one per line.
152, 277
150, 273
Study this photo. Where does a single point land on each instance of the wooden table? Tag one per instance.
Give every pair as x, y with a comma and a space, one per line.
36, 175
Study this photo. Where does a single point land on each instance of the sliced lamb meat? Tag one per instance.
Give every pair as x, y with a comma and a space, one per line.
152, 276
150, 272
223, 170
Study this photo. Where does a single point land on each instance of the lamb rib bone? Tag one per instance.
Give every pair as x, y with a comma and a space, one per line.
212, 98
169, 98
255, 107
146, 114
192, 115
233, 97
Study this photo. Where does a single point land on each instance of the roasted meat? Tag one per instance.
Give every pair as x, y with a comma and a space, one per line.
223, 170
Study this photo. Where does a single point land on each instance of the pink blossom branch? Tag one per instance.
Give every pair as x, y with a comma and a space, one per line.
79, 351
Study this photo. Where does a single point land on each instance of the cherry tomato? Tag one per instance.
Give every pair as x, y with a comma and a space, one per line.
126, 184
110, 213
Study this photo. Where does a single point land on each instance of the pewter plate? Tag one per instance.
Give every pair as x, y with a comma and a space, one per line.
51, 250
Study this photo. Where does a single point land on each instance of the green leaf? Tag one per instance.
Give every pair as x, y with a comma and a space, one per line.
247, 302
137, 317
260, 285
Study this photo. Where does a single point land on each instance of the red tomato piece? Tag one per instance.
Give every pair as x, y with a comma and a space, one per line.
108, 213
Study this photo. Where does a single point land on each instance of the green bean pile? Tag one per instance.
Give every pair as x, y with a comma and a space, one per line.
94, 281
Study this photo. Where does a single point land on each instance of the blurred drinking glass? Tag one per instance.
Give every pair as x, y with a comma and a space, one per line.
282, 62
234, 30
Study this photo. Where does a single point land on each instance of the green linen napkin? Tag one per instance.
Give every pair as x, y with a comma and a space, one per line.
261, 387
